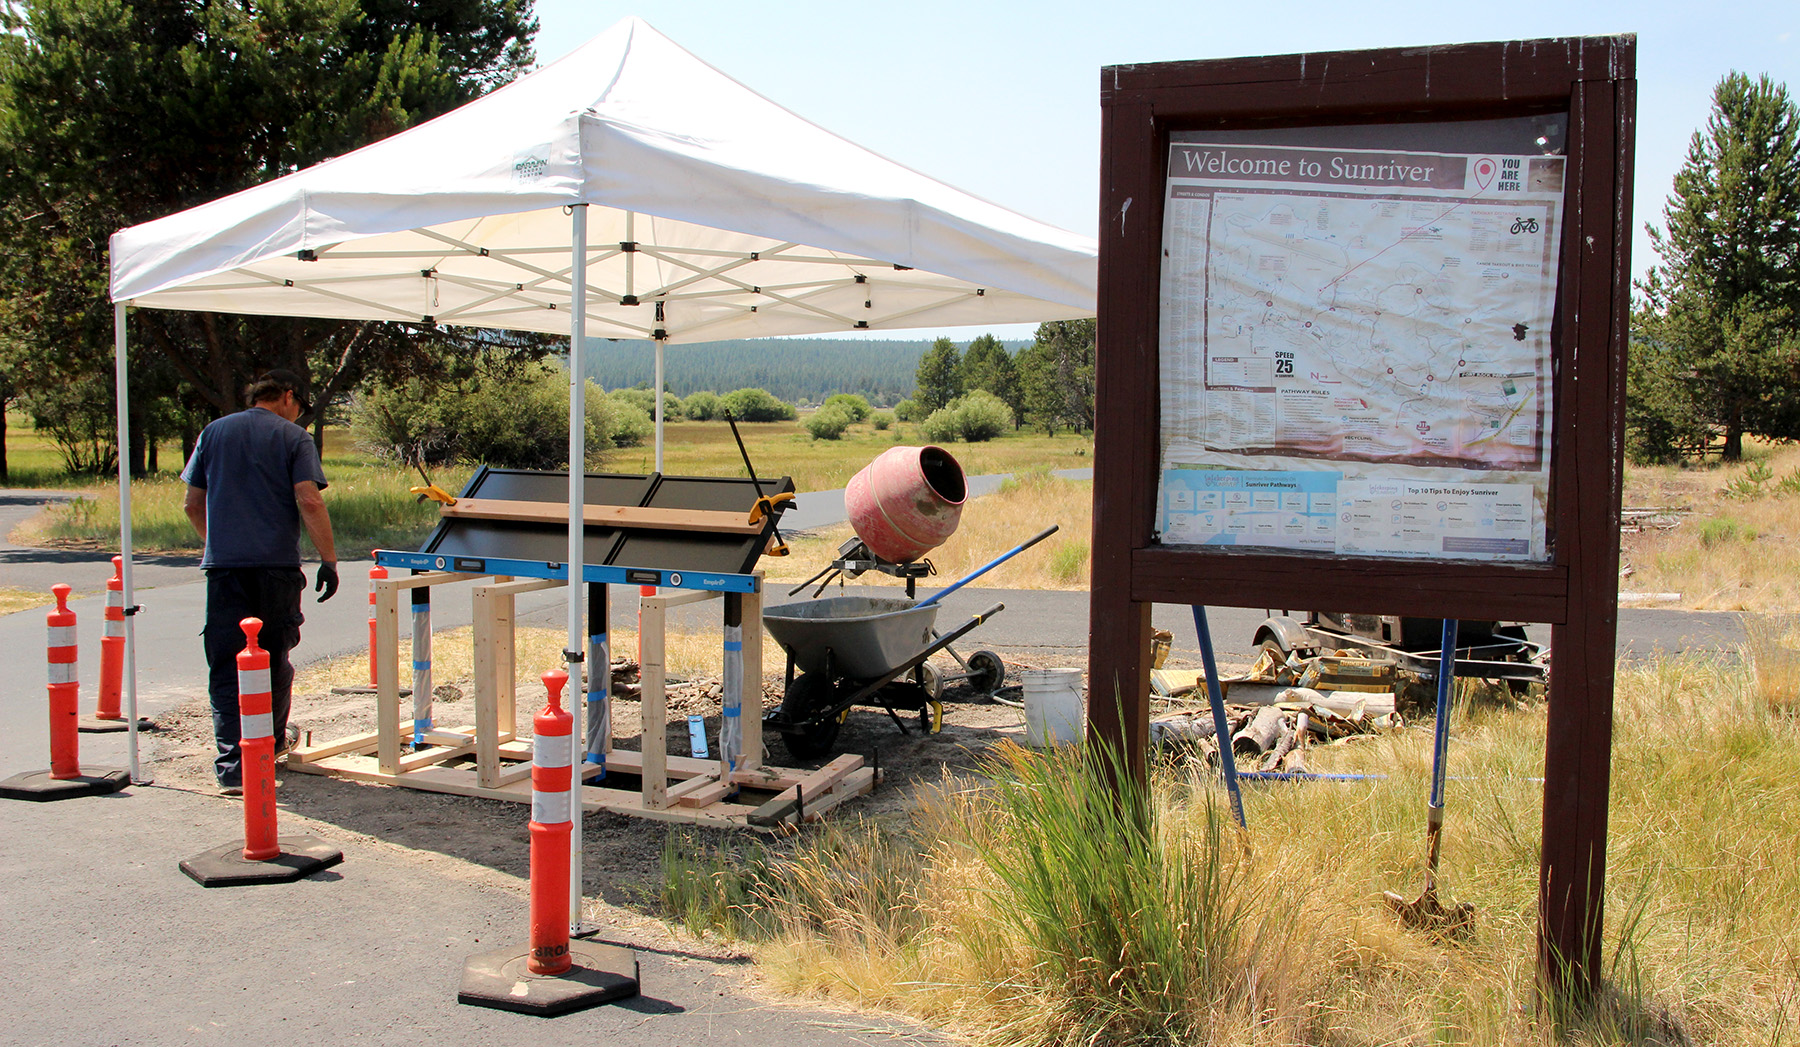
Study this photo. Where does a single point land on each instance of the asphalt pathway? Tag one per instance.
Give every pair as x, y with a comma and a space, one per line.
111, 944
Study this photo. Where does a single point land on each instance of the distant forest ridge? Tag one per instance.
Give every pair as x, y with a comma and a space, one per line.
794, 369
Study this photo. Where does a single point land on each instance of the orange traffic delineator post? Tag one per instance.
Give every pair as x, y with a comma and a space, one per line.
107, 718
264, 856
552, 975
65, 778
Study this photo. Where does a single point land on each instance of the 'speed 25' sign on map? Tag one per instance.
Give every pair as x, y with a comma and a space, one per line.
1355, 351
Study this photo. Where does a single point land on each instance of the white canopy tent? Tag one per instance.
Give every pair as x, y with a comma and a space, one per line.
686, 207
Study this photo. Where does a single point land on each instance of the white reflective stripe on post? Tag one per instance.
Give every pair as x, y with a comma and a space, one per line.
554, 752
115, 628
63, 672
253, 681
115, 598
256, 725
62, 636
549, 808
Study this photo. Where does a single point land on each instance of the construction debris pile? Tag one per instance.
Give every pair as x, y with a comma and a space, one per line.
1279, 708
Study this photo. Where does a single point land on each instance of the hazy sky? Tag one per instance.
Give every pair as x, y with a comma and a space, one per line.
1001, 99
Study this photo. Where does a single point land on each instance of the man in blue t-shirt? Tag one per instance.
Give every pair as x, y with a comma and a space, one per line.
253, 483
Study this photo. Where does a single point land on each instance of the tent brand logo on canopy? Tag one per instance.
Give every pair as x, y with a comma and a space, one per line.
531, 169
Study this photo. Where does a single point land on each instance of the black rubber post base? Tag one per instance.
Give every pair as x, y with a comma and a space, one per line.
38, 785
300, 856
95, 725
600, 974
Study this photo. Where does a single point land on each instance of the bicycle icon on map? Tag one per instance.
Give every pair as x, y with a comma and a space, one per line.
1524, 225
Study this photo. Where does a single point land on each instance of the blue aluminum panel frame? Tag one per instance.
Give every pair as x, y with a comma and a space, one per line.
706, 581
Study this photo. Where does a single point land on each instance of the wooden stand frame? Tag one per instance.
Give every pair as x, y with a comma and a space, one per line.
675, 788
1592, 80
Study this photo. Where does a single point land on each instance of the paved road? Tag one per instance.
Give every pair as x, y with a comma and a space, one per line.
122, 949
110, 944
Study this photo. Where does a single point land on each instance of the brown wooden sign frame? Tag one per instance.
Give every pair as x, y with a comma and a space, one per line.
1576, 592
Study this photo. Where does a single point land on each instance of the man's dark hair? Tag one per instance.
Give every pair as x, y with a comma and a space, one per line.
271, 384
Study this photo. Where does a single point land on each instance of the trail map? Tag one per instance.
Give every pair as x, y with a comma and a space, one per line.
1367, 316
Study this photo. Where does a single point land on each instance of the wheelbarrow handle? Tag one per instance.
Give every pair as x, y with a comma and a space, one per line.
991, 564
909, 664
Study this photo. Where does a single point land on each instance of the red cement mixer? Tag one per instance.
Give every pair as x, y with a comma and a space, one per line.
906, 502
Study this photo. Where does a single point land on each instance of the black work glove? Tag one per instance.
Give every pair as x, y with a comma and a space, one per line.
328, 581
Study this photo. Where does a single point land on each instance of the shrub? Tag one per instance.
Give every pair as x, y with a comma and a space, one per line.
854, 405
907, 410
941, 427
702, 406
645, 401
630, 425
78, 416
976, 417
1721, 530
756, 405
881, 420
983, 416
516, 419
828, 422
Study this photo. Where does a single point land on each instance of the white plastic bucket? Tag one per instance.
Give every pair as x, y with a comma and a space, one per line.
1053, 713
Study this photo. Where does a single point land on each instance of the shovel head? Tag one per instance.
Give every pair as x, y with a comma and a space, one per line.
1427, 914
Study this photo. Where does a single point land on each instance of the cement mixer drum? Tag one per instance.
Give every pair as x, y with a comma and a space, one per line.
906, 502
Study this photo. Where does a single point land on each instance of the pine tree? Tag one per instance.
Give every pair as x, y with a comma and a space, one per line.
940, 376
1723, 304
987, 365
115, 112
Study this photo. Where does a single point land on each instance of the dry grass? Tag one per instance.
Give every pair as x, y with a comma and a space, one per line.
14, 599
1739, 548
1772, 650
784, 449
1701, 945
991, 525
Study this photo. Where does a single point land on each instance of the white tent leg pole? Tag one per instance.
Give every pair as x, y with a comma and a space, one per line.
659, 404
119, 388
577, 539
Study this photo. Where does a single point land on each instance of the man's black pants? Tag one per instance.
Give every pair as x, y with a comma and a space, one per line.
233, 594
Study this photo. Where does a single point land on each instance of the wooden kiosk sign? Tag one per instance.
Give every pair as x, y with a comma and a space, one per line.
1362, 348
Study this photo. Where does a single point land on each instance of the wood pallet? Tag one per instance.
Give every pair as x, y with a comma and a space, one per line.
488, 759
696, 795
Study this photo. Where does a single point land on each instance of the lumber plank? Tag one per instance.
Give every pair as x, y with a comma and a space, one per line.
653, 707
357, 743
706, 797
752, 755
627, 516
387, 671
435, 755
814, 786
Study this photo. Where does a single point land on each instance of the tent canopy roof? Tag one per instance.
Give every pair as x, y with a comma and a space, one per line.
714, 214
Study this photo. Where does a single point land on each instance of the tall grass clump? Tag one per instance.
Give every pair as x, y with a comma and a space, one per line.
1034, 906
1772, 650
1120, 932
713, 888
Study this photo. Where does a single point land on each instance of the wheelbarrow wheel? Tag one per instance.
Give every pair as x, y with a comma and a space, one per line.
932, 680
986, 672
806, 697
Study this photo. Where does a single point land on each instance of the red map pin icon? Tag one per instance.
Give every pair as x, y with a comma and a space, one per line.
1484, 172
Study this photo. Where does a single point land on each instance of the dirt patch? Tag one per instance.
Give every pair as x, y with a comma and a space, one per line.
622, 867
